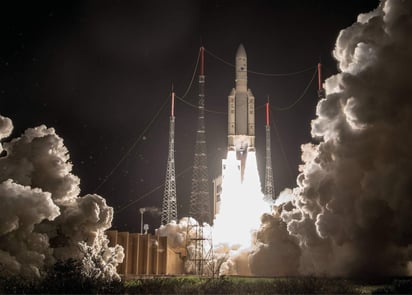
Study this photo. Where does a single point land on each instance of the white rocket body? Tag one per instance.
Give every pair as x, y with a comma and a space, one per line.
241, 111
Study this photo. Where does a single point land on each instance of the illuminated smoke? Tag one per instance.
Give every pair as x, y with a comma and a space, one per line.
285, 196
183, 235
276, 253
352, 209
42, 217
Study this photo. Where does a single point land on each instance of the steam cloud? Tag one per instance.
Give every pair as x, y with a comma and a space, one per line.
183, 235
351, 213
42, 217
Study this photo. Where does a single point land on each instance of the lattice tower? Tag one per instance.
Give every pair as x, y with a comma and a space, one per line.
169, 205
200, 197
268, 189
199, 246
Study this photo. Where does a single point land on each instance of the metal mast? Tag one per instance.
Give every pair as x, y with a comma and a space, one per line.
199, 197
268, 190
199, 244
169, 205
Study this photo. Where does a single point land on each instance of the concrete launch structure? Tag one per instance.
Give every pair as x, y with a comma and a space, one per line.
146, 255
241, 112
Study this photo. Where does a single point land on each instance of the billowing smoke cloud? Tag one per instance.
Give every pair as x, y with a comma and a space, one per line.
188, 235
276, 253
352, 209
6, 127
42, 217
175, 232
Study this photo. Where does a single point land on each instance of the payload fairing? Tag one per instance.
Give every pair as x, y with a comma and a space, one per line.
241, 112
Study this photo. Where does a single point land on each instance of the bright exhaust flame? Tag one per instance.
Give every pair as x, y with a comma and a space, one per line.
242, 203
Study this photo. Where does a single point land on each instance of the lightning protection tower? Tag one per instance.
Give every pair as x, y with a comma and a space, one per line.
169, 205
199, 244
199, 197
268, 189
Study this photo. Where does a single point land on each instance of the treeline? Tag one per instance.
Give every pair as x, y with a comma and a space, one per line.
67, 278
63, 278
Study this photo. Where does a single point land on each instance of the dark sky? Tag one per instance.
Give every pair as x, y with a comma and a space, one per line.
98, 71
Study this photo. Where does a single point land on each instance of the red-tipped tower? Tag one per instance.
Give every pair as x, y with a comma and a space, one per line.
200, 255
319, 76
199, 196
172, 111
169, 203
202, 61
268, 188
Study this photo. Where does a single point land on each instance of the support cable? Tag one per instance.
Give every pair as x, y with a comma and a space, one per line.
126, 154
193, 77
299, 98
304, 92
151, 191
196, 107
261, 73
149, 125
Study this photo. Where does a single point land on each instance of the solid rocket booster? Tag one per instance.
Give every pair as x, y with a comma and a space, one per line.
241, 110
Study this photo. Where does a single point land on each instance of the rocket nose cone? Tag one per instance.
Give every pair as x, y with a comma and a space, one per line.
241, 52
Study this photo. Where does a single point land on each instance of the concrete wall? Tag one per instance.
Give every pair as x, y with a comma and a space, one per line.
146, 254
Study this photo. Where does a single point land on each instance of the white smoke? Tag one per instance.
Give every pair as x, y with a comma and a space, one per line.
6, 127
276, 253
351, 213
42, 217
285, 196
188, 235
175, 232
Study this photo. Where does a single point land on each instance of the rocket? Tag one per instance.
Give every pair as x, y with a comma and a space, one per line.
241, 111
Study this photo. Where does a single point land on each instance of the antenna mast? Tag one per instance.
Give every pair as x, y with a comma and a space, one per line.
199, 197
169, 205
198, 243
268, 189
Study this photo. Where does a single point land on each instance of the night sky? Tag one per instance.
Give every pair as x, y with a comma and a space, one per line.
99, 71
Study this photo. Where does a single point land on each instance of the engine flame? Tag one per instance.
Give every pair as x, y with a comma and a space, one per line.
242, 203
